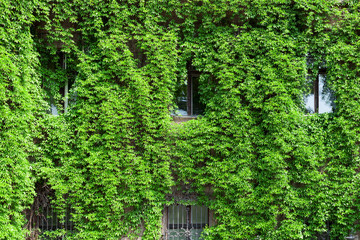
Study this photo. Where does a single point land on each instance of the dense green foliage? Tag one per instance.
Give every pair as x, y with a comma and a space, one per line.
20, 105
114, 156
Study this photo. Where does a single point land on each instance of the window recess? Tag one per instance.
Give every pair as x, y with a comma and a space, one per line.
62, 87
185, 222
138, 53
319, 98
49, 220
187, 96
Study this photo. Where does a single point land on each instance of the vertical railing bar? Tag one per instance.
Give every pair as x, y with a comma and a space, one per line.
192, 97
71, 222
196, 219
69, 219
208, 217
66, 219
56, 221
53, 225
47, 215
41, 216
182, 219
63, 220
167, 224
178, 219
66, 89
38, 220
189, 220
201, 216
193, 216
52, 219
178, 215
42, 219
183, 223
178, 207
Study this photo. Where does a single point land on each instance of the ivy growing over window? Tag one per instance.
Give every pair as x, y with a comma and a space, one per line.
112, 157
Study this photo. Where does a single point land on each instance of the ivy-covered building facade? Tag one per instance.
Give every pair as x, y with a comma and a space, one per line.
135, 119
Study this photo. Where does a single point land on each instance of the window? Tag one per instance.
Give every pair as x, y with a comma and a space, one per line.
185, 222
58, 91
45, 222
48, 220
188, 97
138, 53
53, 109
320, 99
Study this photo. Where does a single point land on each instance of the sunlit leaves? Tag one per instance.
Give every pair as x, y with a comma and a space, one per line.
264, 168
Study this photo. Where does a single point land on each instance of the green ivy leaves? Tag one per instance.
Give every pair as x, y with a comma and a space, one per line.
264, 168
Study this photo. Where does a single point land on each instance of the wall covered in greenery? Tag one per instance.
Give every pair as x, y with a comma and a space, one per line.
114, 157
21, 107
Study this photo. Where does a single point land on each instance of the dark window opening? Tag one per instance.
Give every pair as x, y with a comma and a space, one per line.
59, 88
50, 220
138, 53
186, 222
187, 96
50, 224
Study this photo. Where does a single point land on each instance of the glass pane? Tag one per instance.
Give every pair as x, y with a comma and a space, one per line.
310, 102
199, 219
177, 219
177, 214
325, 98
54, 110
199, 215
198, 107
181, 98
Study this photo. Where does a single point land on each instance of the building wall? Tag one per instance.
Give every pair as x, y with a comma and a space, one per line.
116, 154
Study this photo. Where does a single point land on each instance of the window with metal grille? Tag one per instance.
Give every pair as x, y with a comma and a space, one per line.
186, 222
49, 221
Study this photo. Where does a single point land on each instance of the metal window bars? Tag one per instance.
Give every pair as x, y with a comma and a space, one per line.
186, 222
50, 221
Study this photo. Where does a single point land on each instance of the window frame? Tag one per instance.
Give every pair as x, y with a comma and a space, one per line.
194, 107
316, 107
190, 90
316, 86
188, 221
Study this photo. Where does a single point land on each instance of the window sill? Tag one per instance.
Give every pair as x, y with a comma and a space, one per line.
181, 119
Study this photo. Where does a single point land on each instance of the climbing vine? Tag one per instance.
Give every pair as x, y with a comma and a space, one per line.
21, 105
110, 157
